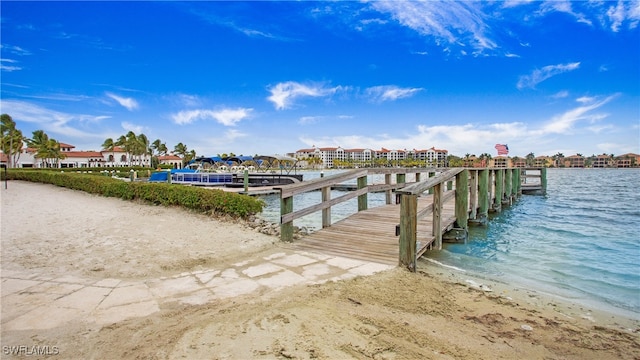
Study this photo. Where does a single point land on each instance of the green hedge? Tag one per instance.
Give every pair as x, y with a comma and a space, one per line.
209, 201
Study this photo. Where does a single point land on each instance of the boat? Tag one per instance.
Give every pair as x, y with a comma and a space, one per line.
263, 170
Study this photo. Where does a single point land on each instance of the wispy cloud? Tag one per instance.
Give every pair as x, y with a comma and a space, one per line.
9, 68
452, 23
49, 120
129, 103
283, 94
15, 50
129, 126
389, 92
624, 11
226, 117
564, 122
540, 75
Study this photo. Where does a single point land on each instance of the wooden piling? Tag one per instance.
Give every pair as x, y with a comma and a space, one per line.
286, 228
362, 199
408, 230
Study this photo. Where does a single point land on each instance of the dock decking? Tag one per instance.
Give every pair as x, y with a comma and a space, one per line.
370, 235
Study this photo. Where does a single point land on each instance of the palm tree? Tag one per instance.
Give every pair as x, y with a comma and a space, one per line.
110, 145
48, 150
11, 140
143, 147
181, 150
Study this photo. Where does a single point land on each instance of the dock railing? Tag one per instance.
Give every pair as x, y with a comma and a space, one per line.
476, 192
324, 184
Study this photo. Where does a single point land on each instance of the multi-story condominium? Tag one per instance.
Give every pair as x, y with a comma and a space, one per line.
543, 161
432, 156
392, 155
602, 161
501, 162
627, 160
519, 162
574, 161
363, 156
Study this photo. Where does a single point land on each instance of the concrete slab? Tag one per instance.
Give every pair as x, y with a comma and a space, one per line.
108, 283
127, 295
44, 317
344, 263
262, 269
236, 288
57, 288
172, 287
115, 314
313, 271
282, 279
10, 286
206, 276
87, 298
230, 274
294, 260
199, 297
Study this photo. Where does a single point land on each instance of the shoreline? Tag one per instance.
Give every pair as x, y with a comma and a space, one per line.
590, 310
146, 250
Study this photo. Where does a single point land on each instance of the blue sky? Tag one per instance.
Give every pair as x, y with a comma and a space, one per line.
274, 77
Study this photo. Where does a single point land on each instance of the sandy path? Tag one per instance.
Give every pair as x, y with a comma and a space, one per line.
434, 314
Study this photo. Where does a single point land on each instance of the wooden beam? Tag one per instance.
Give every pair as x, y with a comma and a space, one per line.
408, 231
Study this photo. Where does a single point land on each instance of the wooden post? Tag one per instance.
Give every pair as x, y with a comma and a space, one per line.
499, 179
543, 180
245, 181
362, 199
408, 229
169, 177
437, 215
326, 213
462, 199
517, 191
388, 193
286, 229
508, 183
483, 196
431, 174
473, 195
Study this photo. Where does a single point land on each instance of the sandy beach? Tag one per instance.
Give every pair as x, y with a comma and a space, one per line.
86, 277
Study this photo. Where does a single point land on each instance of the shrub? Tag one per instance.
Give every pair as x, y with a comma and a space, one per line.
198, 199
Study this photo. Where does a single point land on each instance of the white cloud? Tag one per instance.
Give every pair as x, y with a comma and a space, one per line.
540, 75
564, 122
226, 117
127, 126
461, 23
283, 94
128, 103
9, 68
50, 121
389, 92
560, 94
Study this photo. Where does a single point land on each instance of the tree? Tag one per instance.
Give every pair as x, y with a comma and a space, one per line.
530, 159
47, 150
181, 150
142, 146
11, 140
110, 145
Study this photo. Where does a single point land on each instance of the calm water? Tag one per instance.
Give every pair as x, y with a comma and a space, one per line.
581, 241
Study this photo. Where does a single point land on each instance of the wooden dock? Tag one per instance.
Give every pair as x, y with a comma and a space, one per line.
370, 235
418, 215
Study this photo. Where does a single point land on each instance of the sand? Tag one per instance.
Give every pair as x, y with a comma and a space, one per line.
63, 248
